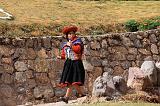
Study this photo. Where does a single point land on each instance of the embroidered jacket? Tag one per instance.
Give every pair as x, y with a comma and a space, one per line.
73, 52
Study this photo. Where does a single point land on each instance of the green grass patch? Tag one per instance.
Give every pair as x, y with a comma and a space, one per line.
121, 104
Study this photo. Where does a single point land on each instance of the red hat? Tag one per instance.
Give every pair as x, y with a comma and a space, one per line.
68, 29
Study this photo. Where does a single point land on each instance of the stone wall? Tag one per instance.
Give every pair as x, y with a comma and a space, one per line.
29, 70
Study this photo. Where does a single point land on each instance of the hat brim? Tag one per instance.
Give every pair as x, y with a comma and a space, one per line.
69, 29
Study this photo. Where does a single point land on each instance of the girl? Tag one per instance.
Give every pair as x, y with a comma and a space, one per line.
73, 74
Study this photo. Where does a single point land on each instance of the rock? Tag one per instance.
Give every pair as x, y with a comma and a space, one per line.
1, 70
153, 38
10, 102
137, 43
18, 42
148, 58
149, 70
7, 61
126, 64
131, 57
46, 42
157, 64
55, 43
81, 100
31, 83
20, 53
56, 65
37, 43
94, 53
20, 66
37, 93
144, 34
42, 53
103, 53
113, 42
158, 44
95, 45
127, 42
134, 72
140, 84
6, 51
139, 37
118, 70
144, 51
156, 57
84, 40
97, 71
41, 65
20, 89
42, 78
154, 49
105, 62
53, 53
29, 43
91, 76
158, 72
87, 66
8, 68
96, 61
146, 43
120, 84
103, 86
31, 54
104, 44
29, 74
7, 78
6, 41
133, 51
109, 70
20, 77
132, 37
7, 91
59, 92
119, 49
120, 56
21, 99
28, 104
113, 63
48, 92
1, 101
31, 64
45, 92
86, 50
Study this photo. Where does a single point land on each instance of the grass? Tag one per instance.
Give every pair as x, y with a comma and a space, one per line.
84, 14
121, 104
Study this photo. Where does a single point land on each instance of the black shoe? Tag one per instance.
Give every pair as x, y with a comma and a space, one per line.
64, 99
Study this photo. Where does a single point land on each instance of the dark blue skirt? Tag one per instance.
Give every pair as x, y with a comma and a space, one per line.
73, 73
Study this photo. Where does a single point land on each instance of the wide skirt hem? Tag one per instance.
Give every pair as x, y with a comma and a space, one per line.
68, 84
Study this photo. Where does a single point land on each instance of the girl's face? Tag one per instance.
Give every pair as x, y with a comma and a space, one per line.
71, 34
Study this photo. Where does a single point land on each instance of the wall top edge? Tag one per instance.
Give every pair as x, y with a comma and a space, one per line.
86, 36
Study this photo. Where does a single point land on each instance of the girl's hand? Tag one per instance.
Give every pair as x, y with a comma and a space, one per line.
69, 43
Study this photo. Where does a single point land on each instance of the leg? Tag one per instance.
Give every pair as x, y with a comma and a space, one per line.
69, 91
79, 90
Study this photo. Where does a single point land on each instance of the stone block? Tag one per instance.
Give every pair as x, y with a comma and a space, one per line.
41, 65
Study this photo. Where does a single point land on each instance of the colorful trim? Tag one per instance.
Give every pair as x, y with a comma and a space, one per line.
67, 84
